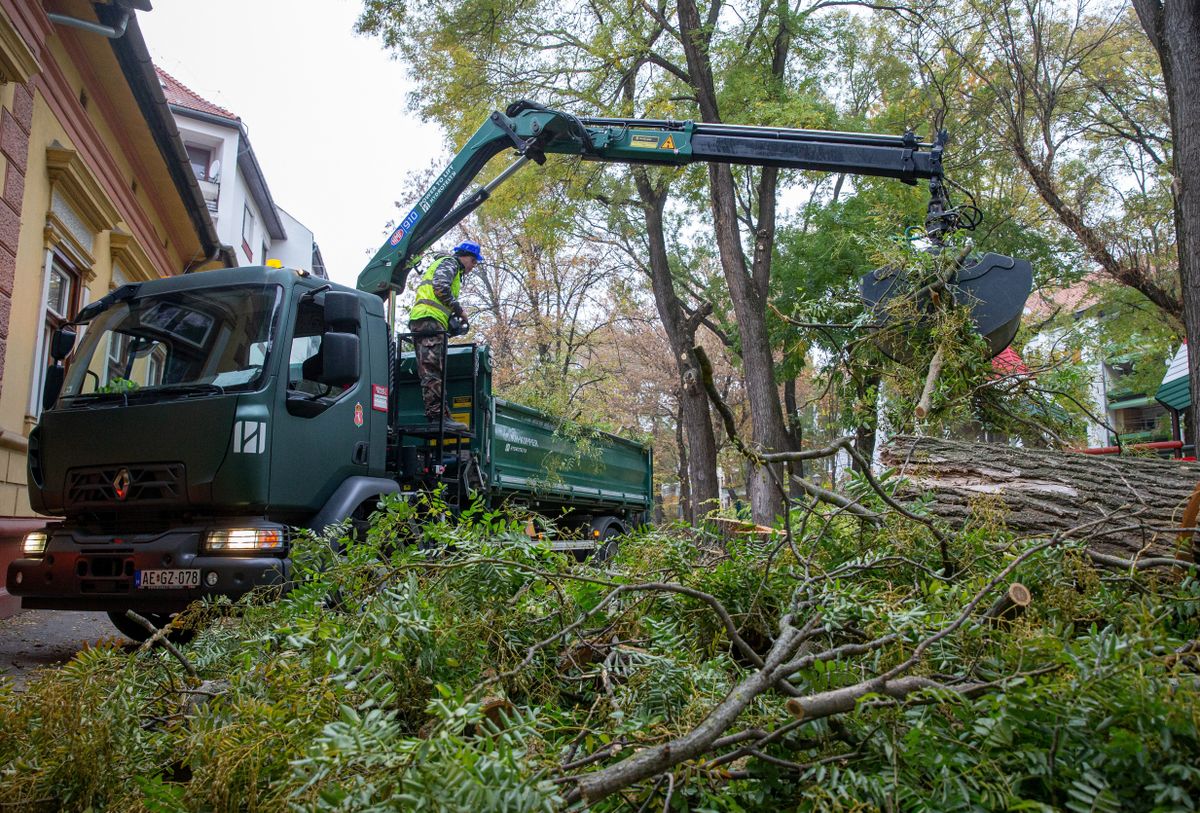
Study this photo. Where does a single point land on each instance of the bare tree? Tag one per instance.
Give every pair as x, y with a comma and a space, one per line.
1089, 136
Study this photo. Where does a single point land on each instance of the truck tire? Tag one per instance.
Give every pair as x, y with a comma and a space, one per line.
611, 530
131, 629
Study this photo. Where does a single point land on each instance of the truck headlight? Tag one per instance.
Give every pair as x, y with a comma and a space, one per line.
242, 540
35, 543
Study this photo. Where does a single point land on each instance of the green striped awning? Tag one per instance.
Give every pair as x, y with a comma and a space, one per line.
1174, 392
1129, 403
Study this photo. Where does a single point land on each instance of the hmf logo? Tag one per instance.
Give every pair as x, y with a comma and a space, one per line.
405, 226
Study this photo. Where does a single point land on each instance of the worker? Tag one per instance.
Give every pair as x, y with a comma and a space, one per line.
437, 301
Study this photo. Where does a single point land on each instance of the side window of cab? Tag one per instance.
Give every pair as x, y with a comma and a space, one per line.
321, 363
305, 357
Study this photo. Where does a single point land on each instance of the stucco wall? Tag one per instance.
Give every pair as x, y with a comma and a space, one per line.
296, 251
16, 117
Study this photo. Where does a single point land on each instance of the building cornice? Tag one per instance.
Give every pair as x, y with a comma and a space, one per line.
31, 25
127, 253
70, 175
64, 106
18, 63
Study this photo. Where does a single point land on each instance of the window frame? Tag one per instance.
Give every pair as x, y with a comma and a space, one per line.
51, 320
247, 226
310, 401
208, 151
59, 269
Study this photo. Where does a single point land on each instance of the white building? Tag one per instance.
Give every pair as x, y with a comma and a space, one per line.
247, 219
1120, 413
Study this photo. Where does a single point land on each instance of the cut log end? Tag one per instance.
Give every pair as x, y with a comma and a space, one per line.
795, 708
1011, 604
1019, 594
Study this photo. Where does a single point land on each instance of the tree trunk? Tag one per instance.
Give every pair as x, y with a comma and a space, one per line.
1174, 30
747, 284
864, 432
1137, 500
795, 435
703, 493
686, 507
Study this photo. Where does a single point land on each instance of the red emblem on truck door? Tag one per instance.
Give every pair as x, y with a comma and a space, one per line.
358, 415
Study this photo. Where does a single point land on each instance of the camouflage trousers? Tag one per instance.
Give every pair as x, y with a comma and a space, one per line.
429, 364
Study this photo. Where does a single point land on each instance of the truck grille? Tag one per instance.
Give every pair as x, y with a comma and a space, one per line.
141, 483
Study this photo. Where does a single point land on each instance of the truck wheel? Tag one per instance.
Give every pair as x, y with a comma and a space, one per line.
131, 629
608, 542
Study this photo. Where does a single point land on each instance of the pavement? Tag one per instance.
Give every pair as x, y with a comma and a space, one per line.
40, 639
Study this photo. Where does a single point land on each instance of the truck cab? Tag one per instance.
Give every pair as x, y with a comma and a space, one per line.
200, 419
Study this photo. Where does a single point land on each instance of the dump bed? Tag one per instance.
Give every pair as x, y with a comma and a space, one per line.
525, 456
531, 454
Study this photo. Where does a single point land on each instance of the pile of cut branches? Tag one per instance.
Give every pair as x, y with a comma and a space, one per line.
839, 664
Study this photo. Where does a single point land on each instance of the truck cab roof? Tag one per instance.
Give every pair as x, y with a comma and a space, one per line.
246, 275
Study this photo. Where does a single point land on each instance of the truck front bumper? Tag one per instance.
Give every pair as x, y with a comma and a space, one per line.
81, 571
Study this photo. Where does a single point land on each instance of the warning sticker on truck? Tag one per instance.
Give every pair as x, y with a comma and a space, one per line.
644, 142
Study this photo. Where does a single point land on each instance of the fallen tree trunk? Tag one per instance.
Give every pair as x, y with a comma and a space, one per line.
1140, 501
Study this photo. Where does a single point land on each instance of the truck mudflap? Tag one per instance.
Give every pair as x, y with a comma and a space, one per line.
160, 573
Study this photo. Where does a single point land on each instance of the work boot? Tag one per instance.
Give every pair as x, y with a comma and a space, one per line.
449, 425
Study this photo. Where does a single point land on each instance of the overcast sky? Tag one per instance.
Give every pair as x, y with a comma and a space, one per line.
325, 109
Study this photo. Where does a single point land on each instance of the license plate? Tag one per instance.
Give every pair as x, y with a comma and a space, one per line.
166, 579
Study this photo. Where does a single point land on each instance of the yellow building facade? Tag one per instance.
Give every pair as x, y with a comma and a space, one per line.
97, 192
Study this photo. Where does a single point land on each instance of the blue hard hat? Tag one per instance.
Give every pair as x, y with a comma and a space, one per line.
467, 247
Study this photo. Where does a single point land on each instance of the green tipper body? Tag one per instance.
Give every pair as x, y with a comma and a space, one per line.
520, 456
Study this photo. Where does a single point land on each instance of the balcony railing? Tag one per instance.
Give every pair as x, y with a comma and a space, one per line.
211, 191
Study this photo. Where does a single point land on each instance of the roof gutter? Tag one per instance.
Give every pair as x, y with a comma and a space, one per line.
138, 68
248, 164
114, 31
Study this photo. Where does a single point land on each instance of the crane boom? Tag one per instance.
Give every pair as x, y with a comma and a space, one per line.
534, 131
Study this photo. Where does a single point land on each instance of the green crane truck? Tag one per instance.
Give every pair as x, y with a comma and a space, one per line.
202, 418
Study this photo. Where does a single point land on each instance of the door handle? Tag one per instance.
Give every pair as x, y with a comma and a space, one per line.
361, 453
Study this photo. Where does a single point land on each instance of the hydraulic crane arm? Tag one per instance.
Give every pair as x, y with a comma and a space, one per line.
534, 131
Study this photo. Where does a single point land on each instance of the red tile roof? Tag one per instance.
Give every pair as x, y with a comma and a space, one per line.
1072, 299
181, 95
1009, 363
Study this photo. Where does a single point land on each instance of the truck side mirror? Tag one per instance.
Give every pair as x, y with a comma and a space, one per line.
341, 311
55, 374
339, 359
62, 342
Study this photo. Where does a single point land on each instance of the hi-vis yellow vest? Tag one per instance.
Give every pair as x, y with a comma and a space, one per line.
427, 305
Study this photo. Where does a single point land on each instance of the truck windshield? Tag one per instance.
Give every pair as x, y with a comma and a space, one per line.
204, 340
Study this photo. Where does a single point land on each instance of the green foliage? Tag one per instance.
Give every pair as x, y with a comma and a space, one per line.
390, 679
118, 385
1129, 328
